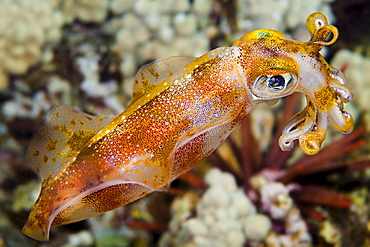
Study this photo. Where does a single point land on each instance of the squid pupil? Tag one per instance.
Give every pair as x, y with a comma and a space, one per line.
276, 82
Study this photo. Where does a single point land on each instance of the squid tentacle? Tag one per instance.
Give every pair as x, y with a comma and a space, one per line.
298, 125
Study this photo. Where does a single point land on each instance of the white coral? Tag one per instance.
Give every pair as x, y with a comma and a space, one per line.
215, 178
224, 217
27, 28
257, 226
357, 71
91, 10
152, 29
277, 202
85, 10
24, 107
91, 84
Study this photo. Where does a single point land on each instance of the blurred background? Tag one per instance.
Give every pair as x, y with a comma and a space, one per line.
85, 53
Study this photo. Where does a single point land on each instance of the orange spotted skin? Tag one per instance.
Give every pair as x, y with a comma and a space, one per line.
183, 108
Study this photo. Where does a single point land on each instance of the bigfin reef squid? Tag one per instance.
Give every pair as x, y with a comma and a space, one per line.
182, 109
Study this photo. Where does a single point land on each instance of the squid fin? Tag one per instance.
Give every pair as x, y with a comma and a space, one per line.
64, 133
150, 75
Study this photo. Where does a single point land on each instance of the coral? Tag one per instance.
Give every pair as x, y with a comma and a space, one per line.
148, 30
84, 10
357, 69
25, 195
277, 202
256, 227
91, 10
92, 86
83, 238
23, 107
59, 86
330, 233
224, 216
120, 6
202, 8
36, 27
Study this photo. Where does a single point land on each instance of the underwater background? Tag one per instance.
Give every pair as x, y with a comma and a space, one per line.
85, 54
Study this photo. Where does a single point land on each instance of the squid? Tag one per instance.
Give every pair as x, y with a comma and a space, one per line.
182, 109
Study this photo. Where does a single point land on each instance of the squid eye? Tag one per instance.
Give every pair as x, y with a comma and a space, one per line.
276, 82
274, 86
